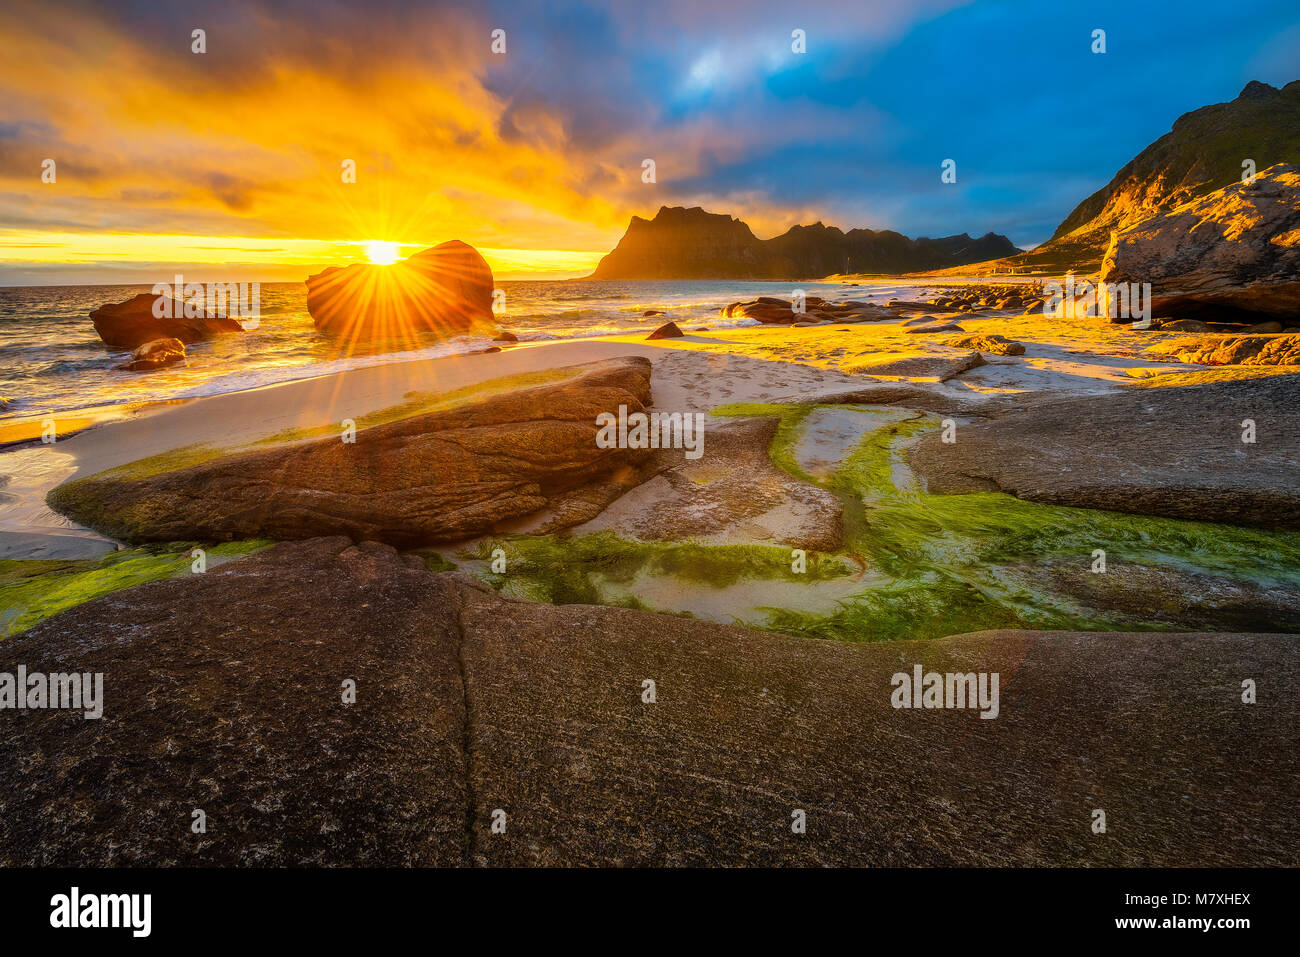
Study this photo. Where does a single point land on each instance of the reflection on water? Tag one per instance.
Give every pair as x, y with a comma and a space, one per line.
52, 360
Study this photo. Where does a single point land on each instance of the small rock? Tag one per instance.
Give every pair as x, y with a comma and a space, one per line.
991, 344
942, 325
1185, 325
155, 354
504, 336
941, 367
668, 330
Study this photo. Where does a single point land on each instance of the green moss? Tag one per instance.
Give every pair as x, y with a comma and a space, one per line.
31, 591
946, 558
436, 561
565, 570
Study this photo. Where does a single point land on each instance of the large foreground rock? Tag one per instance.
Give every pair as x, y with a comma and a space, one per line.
1234, 253
445, 290
436, 476
1174, 451
749, 727
130, 324
223, 693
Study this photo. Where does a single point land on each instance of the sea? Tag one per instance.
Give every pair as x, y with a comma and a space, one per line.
52, 361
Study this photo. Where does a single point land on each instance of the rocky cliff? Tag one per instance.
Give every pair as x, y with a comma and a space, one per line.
1203, 152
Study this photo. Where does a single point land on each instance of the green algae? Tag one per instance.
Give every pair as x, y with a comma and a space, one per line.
33, 590
931, 565
569, 569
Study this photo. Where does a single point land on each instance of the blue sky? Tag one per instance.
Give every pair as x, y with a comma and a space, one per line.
858, 126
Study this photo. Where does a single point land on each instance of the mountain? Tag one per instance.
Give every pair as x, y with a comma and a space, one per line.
682, 243
1202, 153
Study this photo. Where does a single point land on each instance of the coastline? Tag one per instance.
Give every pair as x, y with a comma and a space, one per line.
697, 372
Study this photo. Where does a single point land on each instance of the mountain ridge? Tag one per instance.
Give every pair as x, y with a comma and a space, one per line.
691, 243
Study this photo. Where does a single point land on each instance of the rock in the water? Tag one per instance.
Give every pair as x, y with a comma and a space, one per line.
766, 309
924, 365
1263, 327
668, 330
435, 476
143, 318
1233, 251
505, 336
223, 692
446, 290
155, 354
1174, 451
992, 344
1261, 350
769, 309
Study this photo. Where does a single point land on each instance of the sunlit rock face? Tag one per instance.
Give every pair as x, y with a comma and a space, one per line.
445, 290
1233, 254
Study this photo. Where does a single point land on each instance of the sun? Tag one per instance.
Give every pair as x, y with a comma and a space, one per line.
381, 252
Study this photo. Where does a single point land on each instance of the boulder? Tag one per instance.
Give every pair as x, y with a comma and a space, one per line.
446, 290
435, 476
765, 309
1175, 451
668, 330
732, 494
504, 336
1233, 252
940, 325
1184, 325
1260, 350
769, 309
991, 344
155, 354
132, 323
924, 365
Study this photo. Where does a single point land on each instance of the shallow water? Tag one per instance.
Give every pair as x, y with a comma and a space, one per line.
51, 360
916, 565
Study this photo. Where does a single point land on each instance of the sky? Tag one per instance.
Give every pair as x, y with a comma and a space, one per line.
228, 164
